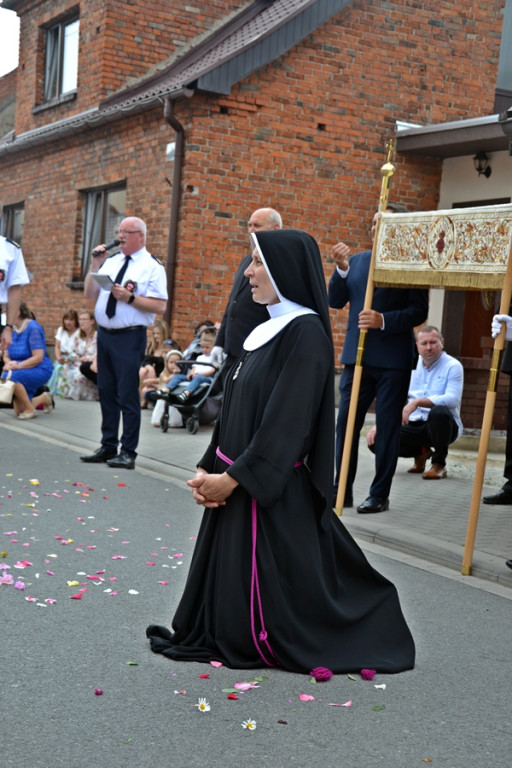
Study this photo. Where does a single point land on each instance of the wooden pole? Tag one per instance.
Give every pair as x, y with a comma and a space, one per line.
387, 171
483, 447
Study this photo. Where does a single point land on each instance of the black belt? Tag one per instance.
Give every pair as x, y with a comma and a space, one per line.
123, 330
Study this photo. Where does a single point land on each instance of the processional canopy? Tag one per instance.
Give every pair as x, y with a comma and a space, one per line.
460, 248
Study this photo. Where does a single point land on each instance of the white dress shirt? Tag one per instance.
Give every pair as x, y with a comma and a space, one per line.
148, 276
12, 268
442, 383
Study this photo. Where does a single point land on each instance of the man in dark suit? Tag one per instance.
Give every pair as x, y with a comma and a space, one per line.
504, 496
388, 360
242, 314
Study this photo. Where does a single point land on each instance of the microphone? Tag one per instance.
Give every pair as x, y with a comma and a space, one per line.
108, 247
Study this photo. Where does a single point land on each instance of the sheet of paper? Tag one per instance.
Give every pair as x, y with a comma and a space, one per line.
105, 281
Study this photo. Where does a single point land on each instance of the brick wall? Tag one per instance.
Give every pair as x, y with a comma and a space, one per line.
305, 134
7, 85
120, 42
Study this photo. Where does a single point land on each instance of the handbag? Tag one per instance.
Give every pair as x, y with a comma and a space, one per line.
6, 390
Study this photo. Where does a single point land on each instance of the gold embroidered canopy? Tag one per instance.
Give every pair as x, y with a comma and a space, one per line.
461, 248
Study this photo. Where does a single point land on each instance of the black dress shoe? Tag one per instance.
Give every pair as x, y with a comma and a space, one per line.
373, 504
99, 456
502, 497
509, 563
123, 461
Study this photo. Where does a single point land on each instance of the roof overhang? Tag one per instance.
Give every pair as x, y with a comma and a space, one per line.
461, 137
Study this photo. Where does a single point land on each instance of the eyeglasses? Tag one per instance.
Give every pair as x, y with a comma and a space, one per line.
127, 231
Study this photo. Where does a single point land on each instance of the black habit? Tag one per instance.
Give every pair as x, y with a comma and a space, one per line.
275, 578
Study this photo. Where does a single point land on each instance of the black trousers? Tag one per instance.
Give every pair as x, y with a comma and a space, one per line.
389, 387
437, 432
85, 370
119, 359
508, 445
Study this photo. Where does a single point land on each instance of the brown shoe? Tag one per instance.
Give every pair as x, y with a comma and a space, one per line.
419, 462
436, 472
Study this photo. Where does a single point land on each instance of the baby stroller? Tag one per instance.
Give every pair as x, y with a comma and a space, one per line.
202, 406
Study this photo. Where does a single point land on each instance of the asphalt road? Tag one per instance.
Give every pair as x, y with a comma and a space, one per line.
133, 533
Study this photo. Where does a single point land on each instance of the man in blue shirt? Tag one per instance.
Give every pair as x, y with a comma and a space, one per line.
431, 416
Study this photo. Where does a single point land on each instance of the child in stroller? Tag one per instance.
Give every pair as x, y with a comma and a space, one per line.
200, 372
196, 394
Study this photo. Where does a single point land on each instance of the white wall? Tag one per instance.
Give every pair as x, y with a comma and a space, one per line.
460, 182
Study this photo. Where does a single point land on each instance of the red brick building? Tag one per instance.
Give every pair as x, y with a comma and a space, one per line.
191, 116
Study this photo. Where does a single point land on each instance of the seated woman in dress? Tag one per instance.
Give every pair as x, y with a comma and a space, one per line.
154, 360
29, 364
75, 386
64, 339
275, 579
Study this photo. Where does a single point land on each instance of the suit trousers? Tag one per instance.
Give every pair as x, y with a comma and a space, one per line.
389, 388
508, 445
119, 359
437, 432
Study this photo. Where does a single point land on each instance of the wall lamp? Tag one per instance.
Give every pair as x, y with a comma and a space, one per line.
505, 120
482, 166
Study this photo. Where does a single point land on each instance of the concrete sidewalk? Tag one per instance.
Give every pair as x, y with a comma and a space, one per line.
426, 519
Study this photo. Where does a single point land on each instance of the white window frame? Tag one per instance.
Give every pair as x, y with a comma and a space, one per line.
61, 59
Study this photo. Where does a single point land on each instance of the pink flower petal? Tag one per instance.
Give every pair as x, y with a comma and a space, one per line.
216, 663
306, 697
347, 703
321, 674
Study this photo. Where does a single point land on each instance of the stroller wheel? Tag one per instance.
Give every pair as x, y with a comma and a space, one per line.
164, 421
192, 425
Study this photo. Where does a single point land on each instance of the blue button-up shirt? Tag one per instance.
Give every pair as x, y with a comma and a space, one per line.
442, 383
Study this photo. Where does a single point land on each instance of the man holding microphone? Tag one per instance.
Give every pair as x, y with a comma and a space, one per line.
126, 304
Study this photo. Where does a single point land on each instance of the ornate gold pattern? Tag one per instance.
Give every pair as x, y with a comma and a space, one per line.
466, 248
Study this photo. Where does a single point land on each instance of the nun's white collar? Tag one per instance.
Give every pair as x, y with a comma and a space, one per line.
280, 315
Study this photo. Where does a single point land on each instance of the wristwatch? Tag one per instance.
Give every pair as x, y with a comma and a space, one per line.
131, 299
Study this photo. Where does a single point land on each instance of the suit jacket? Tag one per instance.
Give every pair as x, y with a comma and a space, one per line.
242, 314
506, 363
403, 309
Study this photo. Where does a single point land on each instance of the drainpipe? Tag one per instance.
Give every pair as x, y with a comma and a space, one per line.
179, 154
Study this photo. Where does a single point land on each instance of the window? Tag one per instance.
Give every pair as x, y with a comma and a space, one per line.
104, 211
61, 65
11, 223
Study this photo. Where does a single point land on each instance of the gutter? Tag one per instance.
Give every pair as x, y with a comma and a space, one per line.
71, 126
179, 154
